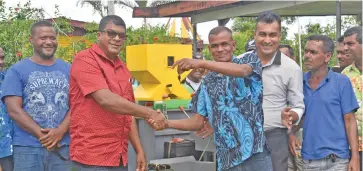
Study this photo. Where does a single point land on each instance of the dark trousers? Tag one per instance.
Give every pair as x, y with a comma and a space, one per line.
360, 157
277, 142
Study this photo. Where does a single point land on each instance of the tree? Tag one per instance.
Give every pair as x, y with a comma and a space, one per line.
15, 24
329, 30
311, 29
244, 28
15, 28
97, 6
101, 8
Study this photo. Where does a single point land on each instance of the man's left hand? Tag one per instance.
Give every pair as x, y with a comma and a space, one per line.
354, 164
186, 64
288, 117
205, 131
52, 137
141, 162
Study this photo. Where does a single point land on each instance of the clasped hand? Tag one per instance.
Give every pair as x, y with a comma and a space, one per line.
157, 121
51, 137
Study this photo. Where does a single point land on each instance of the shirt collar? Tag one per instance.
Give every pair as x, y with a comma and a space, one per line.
327, 77
276, 60
354, 68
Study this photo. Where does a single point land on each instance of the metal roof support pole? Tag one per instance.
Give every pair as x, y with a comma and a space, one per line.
359, 16
299, 37
195, 40
338, 20
110, 7
223, 22
338, 23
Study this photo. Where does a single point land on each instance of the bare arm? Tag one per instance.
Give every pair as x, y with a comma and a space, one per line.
297, 127
191, 124
136, 143
294, 143
352, 133
227, 68
64, 126
116, 104
15, 110
89, 77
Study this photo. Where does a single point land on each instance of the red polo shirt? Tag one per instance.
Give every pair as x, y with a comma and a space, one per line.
98, 137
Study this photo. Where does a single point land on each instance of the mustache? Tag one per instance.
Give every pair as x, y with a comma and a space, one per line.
307, 60
116, 44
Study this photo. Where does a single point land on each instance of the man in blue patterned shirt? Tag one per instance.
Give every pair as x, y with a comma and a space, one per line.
6, 151
230, 96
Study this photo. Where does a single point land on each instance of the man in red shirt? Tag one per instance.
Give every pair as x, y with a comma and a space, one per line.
102, 104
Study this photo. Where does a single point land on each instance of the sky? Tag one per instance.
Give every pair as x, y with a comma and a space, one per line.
69, 9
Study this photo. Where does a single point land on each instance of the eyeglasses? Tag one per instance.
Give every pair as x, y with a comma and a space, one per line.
112, 34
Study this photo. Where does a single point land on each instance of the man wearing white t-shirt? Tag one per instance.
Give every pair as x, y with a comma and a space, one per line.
194, 78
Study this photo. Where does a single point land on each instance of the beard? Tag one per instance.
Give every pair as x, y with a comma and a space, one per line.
47, 56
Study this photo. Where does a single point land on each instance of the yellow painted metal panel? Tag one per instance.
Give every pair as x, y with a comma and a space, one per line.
151, 64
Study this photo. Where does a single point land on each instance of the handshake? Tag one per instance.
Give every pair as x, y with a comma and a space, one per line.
157, 121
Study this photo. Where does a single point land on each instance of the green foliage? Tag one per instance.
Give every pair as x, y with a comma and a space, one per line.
15, 24
244, 28
244, 25
148, 35
241, 39
14, 39
20, 12
206, 54
329, 30
349, 21
15, 30
312, 29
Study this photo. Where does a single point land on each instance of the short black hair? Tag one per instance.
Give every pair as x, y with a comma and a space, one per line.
340, 39
354, 30
118, 21
268, 17
42, 23
220, 29
291, 50
328, 44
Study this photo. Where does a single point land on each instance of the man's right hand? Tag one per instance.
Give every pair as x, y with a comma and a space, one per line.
293, 144
157, 120
52, 137
286, 117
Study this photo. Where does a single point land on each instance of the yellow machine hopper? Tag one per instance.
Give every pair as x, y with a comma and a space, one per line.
150, 64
